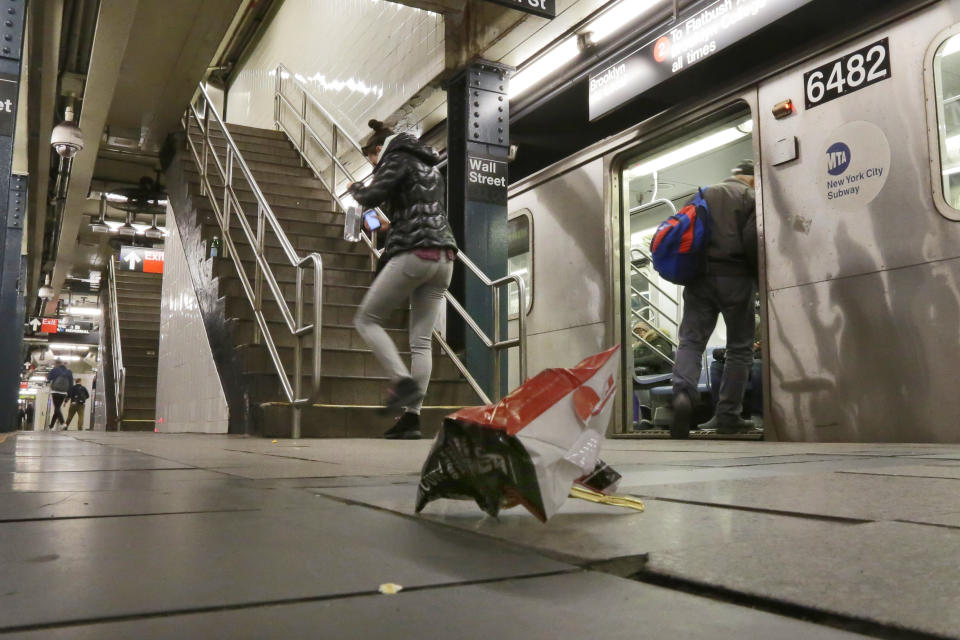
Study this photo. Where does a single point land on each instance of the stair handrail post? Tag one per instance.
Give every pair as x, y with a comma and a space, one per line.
278, 88
496, 344
119, 370
303, 125
333, 165
258, 272
497, 391
227, 202
205, 130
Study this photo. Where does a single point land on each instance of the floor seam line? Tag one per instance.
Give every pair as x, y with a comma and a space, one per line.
776, 512
779, 607
279, 602
125, 515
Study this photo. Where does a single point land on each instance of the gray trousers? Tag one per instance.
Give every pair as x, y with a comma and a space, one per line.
423, 283
705, 300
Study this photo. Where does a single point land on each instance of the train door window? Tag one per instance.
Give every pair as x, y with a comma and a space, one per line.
656, 183
946, 75
520, 258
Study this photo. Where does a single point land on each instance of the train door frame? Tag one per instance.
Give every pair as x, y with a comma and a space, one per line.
648, 136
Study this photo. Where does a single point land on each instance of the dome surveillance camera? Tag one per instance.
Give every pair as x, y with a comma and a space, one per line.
67, 139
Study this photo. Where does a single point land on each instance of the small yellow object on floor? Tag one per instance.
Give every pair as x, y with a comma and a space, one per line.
628, 502
274, 442
390, 588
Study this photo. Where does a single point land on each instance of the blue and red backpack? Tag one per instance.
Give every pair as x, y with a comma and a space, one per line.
679, 247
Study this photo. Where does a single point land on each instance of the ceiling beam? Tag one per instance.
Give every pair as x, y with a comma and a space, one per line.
44, 41
114, 24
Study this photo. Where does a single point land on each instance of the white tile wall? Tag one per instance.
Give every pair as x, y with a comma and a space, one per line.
189, 395
362, 59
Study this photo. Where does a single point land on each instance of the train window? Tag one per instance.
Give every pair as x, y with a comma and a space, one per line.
520, 258
946, 75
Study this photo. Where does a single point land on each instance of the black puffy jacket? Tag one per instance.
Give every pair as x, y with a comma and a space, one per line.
410, 189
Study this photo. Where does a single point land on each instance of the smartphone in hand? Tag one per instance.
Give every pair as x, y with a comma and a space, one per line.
372, 220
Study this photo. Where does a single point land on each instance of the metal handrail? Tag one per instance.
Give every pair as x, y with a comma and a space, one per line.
299, 138
266, 221
119, 370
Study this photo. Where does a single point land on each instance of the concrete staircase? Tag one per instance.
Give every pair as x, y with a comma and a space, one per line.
353, 382
138, 301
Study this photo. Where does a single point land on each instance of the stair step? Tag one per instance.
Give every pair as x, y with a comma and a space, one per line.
333, 421
331, 259
269, 183
334, 313
143, 319
333, 336
315, 227
334, 362
253, 153
339, 293
244, 130
360, 390
224, 268
319, 242
273, 141
283, 211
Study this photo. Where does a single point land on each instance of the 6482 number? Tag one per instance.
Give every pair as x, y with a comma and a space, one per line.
845, 75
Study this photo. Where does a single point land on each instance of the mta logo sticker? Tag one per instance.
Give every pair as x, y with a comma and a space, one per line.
838, 158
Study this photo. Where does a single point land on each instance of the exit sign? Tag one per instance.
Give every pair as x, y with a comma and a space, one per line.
542, 8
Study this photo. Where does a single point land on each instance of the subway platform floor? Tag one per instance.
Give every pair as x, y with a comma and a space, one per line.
141, 535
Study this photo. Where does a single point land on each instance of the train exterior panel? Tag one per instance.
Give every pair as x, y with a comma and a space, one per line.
860, 252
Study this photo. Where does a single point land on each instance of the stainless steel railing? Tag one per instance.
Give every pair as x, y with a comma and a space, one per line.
228, 165
639, 255
336, 153
116, 350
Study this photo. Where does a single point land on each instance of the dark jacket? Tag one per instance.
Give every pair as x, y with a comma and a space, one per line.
58, 372
410, 189
733, 237
78, 393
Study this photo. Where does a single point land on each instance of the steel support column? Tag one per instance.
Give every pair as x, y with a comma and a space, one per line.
13, 207
478, 112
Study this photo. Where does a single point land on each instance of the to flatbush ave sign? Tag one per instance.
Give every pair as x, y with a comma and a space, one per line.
542, 8
691, 40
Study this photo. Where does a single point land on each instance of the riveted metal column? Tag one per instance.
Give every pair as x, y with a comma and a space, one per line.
13, 207
478, 142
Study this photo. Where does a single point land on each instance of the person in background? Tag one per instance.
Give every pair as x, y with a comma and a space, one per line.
420, 251
21, 416
61, 381
646, 361
28, 418
726, 288
78, 395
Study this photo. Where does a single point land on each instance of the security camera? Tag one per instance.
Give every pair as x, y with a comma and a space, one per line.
67, 138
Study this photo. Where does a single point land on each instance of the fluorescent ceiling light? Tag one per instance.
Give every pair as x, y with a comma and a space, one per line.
621, 14
691, 150
83, 311
37, 379
139, 229
71, 347
544, 66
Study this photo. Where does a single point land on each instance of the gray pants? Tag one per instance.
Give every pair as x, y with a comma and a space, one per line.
704, 300
421, 281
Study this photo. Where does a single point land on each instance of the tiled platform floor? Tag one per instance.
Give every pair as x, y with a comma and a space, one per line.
106, 535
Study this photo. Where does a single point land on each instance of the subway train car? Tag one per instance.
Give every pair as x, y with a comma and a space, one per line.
857, 152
